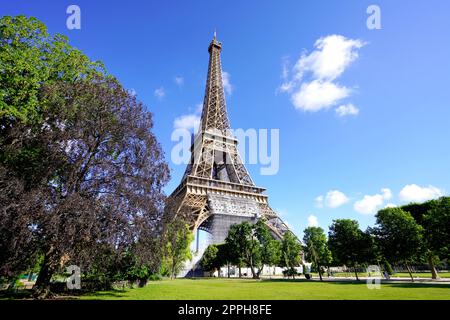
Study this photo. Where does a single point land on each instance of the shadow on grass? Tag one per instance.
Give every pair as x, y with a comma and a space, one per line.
113, 293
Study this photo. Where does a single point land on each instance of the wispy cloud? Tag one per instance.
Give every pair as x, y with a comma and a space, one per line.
347, 110
179, 80
160, 93
226, 81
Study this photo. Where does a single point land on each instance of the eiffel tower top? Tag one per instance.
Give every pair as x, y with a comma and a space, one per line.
214, 114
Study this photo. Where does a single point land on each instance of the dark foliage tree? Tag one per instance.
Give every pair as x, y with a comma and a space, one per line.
105, 174
80, 171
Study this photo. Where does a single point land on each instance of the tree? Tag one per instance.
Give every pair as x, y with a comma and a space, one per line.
252, 244
269, 247
209, 259
178, 240
104, 172
347, 243
399, 235
31, 58
81, 173
245, 246
226, 256
437, 230
316, 248
431, 249
290, 253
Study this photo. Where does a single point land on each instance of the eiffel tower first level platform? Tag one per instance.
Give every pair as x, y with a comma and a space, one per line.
216, 190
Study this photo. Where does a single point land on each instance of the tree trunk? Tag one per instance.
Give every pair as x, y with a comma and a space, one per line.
410, 273
41, 289
254, 274
320, 272
356, 273
434, 273
228, 268
240, 272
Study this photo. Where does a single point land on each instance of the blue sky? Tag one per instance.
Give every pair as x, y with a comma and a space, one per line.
394, 150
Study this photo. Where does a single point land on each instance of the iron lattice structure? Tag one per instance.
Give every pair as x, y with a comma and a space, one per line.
216, 190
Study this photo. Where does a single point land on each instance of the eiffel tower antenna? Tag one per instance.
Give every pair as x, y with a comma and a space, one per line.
216, 190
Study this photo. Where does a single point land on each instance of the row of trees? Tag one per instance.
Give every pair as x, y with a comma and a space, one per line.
412, 234
252, 245
406, 235
81, 173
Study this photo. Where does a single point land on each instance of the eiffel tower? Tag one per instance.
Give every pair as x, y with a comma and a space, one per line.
216, 190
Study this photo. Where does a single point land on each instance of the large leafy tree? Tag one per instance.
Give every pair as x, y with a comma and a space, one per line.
81, 170
348, 244
316, 248
399, 235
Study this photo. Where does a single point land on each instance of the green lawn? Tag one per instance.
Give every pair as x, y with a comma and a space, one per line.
225, 289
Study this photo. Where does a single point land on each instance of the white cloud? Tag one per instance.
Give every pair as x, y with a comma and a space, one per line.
332, 55
347, 109
415, 193
370, 204
317, 95
187, 122
190, 121
160, 93
390, 205
333, 199
179, 80
227, 86
312, 221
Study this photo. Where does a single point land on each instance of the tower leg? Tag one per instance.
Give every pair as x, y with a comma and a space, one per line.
197, 240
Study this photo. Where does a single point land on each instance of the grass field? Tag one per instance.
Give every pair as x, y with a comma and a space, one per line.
227, 289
